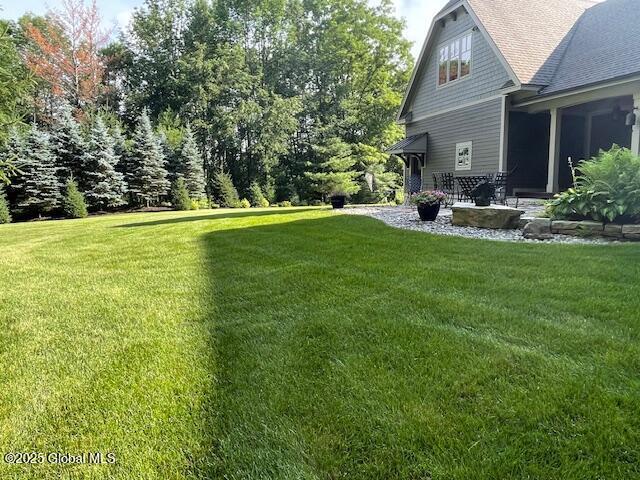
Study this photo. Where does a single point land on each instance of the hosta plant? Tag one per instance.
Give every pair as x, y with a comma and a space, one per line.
607, 189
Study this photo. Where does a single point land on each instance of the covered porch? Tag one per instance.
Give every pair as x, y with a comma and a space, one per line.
544, 133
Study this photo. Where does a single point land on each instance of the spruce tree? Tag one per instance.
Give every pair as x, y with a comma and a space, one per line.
257, 197
12, 152
5, 215
180, 195
225, 192
67, 144
191, 164
147, 178
73, 204
104, 186
37, 187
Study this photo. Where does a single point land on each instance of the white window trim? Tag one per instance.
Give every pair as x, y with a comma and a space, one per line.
460, 146
448, 45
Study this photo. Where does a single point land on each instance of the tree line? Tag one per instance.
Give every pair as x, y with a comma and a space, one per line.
279, 100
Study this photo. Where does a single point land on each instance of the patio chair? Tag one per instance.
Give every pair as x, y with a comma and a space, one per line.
445, 182
468, 183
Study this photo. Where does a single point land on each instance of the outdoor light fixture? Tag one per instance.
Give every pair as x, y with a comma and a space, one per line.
631, 120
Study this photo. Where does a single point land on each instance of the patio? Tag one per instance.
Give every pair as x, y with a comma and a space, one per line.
406, 217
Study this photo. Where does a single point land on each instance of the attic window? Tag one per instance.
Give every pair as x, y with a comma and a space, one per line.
455, 60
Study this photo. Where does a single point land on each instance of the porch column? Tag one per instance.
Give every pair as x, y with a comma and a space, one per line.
635, 134
554, 150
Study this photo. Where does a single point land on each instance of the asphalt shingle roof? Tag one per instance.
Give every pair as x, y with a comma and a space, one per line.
605, 45
531, 34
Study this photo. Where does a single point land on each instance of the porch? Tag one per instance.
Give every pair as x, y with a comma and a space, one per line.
543, 135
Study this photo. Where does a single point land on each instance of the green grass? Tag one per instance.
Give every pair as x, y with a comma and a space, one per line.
300, 344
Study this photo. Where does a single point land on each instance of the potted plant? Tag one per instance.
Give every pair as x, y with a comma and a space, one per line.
483, 193
428, 203
338, 199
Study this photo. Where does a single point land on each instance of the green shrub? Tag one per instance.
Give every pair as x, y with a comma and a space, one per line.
225, 192
244, 203
73, 204
285, 203
607, 189
180, 195
200, 204
399, 197
5, 215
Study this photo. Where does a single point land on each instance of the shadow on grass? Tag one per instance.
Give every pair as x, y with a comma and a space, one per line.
216, 216
341, 353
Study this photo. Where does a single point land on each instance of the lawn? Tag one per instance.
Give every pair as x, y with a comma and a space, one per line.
301, 344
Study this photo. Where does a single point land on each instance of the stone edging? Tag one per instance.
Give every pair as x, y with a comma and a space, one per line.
544, 228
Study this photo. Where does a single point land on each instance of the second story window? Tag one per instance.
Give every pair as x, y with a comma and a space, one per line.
455, 60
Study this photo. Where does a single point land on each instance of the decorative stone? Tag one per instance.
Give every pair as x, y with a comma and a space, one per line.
631, 230
612, 230
538, 229
588, 227
494, 216
524, 220
567, 227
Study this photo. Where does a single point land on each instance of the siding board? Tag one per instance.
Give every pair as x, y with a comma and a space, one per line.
480, 124
488, 74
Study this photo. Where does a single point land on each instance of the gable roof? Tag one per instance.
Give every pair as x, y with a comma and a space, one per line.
531, 34
535, 41
604, 46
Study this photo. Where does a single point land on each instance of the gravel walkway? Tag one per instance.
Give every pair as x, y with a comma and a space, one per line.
407, 218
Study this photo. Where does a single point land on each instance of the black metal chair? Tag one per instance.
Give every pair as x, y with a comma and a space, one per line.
445, 182
468, 183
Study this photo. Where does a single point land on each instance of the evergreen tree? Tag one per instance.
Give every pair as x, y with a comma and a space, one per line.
148, 177
5, 216
180, 195
67, 144
191, 164
37, 187
225, 192
257, 197
104, 186
334, 173
73, 204
11, 154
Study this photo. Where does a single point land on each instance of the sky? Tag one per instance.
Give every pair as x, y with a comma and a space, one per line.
116, 13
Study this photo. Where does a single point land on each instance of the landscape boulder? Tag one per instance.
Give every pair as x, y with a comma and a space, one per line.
496, 217
538, 229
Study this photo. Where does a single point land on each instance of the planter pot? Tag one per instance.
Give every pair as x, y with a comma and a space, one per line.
483, 202
428, 213
338, 201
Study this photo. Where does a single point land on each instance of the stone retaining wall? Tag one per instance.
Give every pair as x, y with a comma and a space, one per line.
543, 228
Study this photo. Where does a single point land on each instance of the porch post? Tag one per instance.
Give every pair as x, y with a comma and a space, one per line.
554, 150
635, 134
504, 135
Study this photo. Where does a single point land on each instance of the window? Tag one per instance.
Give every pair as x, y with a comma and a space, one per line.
454, 61
444, 58
463, 155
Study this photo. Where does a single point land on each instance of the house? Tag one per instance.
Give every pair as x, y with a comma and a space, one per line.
520, 86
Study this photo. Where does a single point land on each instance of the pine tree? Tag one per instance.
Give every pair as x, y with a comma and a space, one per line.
147, 178
5, 215
180, 195
37, 187
11, 154
225, 192
73, 204
67, 144
104, 186
257, 197
192, 162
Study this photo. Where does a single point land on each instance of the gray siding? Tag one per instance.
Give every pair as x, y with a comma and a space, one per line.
488, 74
479, 124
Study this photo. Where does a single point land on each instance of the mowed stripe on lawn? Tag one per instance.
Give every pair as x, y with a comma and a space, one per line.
303, 344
